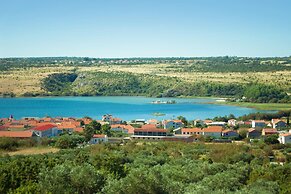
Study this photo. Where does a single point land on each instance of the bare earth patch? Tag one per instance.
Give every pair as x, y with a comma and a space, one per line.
34, 150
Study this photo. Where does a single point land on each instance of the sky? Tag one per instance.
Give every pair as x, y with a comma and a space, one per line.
145, 28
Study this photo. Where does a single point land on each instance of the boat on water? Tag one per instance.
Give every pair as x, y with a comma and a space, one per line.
164, 102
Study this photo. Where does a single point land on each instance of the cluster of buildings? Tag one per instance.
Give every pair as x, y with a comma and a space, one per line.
140, 129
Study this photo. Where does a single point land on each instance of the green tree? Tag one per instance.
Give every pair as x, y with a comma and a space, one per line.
92, 128
271, 139
69, 178
69, 141
106, 129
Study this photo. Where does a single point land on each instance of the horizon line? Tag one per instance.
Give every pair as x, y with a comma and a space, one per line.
143, 57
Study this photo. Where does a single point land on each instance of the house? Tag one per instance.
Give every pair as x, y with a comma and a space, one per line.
172, 124
110, 119
86, 120
269, 131
79, 129
258, 123
67, 126
232, 122
150, 130
123, 128
17, 134
98, 138
154, 121
253, 133
285, 138
277, 123
140, 121
229, 133
207, 122
188, 131
47, 130
213, 131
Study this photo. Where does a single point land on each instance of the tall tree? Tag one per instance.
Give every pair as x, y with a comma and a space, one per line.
91, 129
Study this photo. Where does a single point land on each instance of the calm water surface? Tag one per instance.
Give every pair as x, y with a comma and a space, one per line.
127, 108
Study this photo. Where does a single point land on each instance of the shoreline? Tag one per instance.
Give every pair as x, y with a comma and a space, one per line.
258, 106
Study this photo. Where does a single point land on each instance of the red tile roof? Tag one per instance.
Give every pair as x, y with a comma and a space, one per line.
191, 130
270, 130
213, 129
151, 128
285, 134
44, 127
20, 134
129, 128
98, 136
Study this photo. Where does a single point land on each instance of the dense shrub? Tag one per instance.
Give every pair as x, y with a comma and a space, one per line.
7, 143
69, 141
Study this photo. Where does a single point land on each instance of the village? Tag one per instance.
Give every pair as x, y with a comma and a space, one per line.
148, 130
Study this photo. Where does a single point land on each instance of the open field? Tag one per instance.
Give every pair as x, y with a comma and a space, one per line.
31, 151
28, 79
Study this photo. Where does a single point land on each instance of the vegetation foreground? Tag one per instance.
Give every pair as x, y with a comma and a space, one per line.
145, 167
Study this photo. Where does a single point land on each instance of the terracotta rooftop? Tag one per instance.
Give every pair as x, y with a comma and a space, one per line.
20, 134
285, 134
191, 130
214, 129
98, 136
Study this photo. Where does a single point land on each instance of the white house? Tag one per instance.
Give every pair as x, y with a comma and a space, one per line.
47, 130
232, 122
98, 138
285, 138
213, 131
277, 123
172, 124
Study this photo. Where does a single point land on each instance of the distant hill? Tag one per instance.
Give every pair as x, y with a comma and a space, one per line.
201, 76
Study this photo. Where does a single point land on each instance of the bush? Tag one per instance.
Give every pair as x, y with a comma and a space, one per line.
7, 143
69, 141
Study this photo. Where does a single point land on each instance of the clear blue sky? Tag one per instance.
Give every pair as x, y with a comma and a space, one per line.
145, 28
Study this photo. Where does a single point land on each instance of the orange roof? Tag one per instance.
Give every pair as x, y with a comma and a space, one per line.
251, 129
270, 130
79, 129
213, 129
150, 127
227, 131
285, 134
129, 128
207, 121
259, 121
98, 136
191, 130
20, 134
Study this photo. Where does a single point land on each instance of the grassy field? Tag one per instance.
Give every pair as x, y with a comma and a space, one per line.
30, 151
28, 79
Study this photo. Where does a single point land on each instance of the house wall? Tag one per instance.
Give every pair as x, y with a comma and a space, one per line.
255, 134
256, 124
98, 140
172, 124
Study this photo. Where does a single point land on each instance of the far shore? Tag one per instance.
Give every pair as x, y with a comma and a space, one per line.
258, 106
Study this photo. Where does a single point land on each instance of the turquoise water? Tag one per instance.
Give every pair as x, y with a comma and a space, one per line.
127, 108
